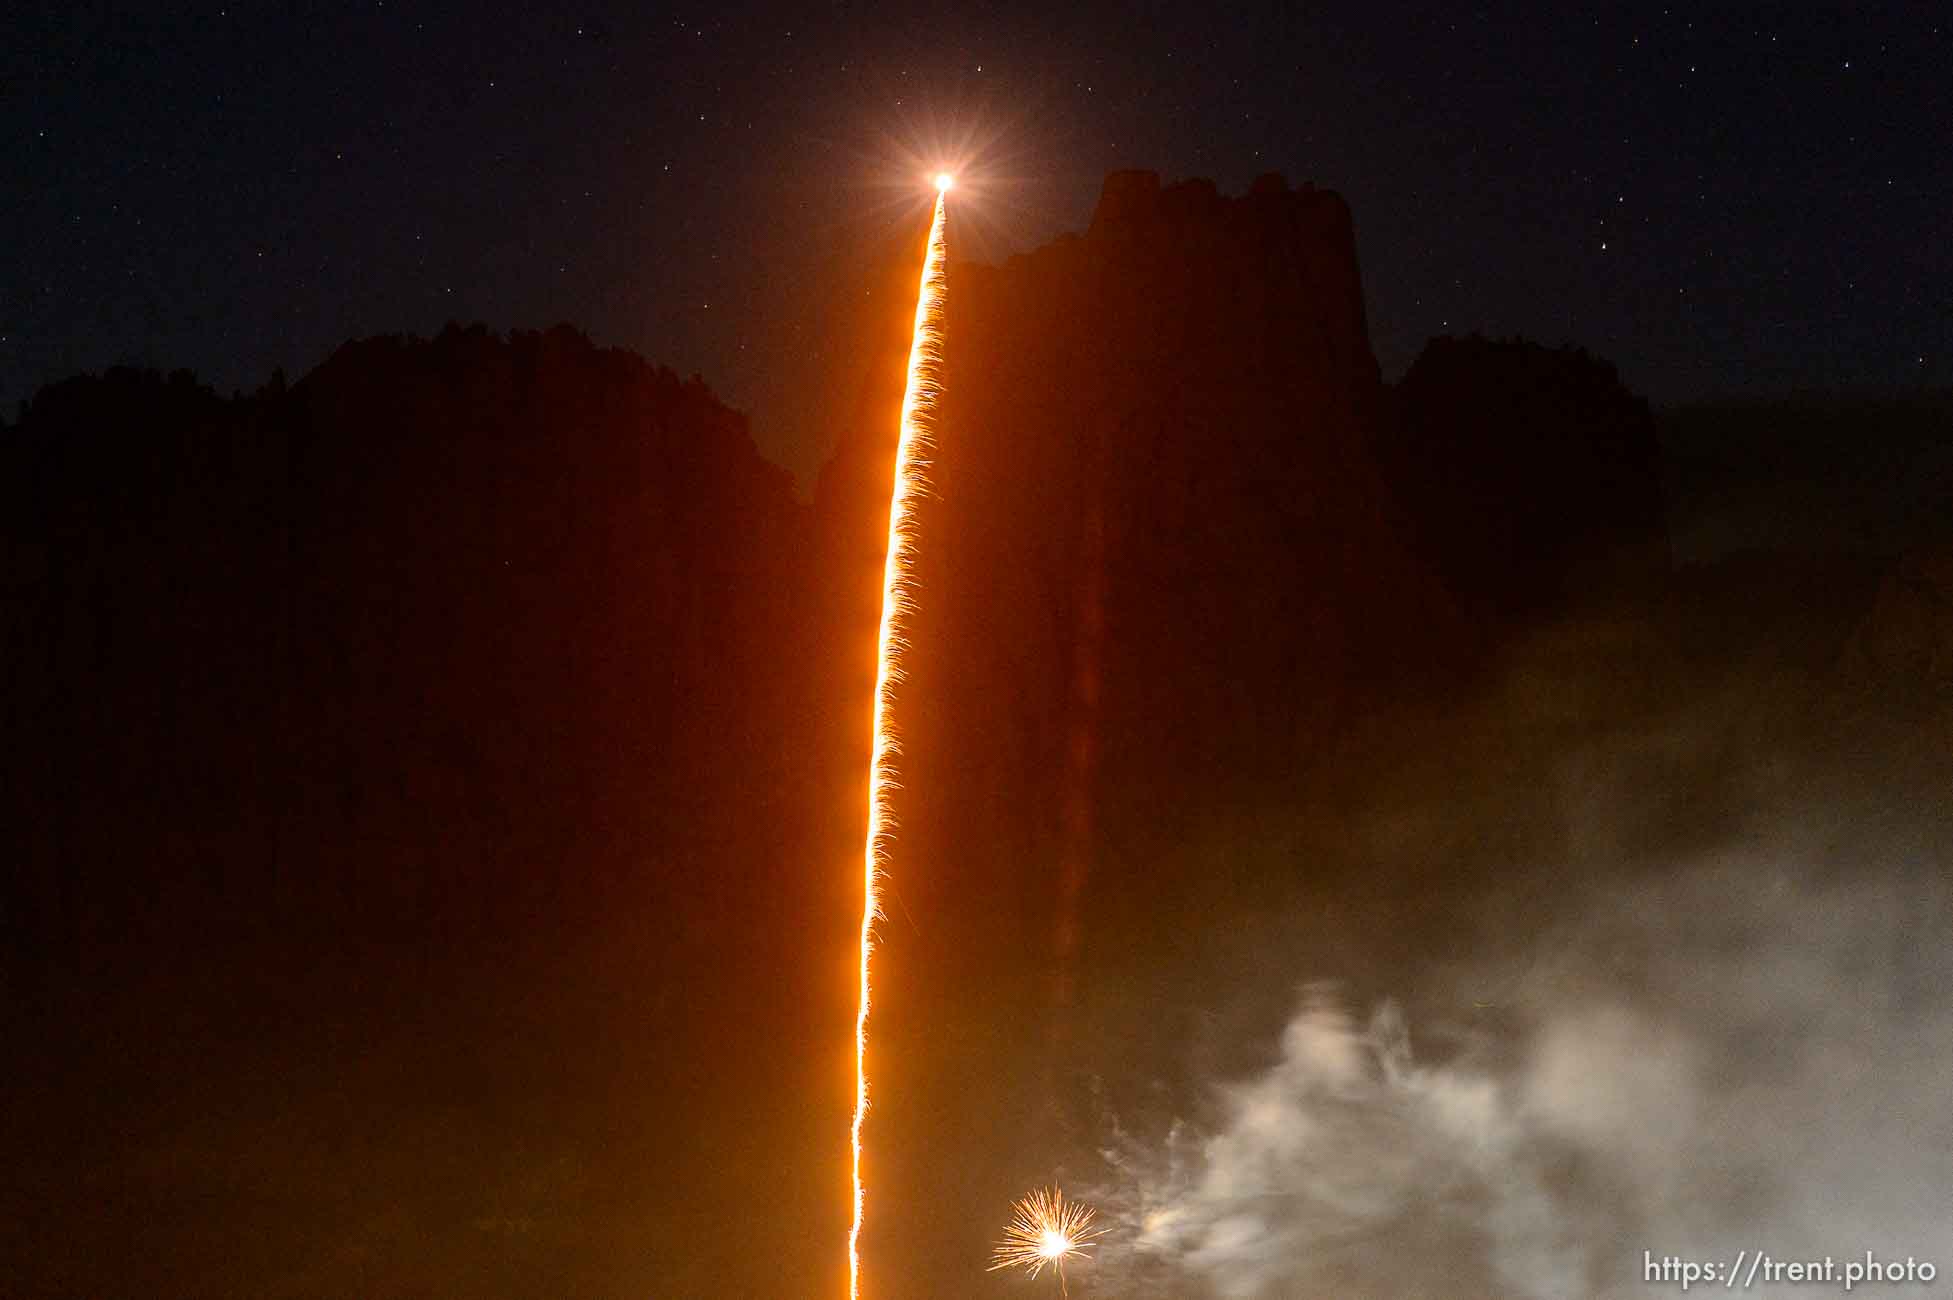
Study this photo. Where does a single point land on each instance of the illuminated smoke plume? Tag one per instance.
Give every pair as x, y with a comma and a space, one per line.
1750, 1053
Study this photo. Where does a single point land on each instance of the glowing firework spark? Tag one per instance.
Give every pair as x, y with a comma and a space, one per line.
918, 415
1045, 1229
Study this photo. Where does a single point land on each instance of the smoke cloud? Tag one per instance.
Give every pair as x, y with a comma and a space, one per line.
1746, 1049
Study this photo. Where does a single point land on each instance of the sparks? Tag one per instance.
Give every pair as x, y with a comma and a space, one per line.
918, 418
1045, 1229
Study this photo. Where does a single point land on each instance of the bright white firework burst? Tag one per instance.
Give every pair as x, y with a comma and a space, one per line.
1046, 1230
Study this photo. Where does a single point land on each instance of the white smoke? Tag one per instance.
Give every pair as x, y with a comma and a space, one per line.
1742, 1056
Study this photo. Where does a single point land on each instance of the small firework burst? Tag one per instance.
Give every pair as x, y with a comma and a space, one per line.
1046, 1229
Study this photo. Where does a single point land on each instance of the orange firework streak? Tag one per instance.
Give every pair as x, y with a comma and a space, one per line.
918, 414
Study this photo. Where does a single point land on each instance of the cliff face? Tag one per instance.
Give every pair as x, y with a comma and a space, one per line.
1160, 555
1160, 530
441, 717
431, 644
1272, 274
1160, 573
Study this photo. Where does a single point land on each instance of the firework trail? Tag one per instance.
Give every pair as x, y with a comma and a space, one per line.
1045, 1229
918, 418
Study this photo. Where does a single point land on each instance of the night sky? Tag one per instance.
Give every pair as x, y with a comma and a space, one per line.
1722, 203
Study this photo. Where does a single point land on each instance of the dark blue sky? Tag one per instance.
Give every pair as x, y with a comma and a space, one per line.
1721, 202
